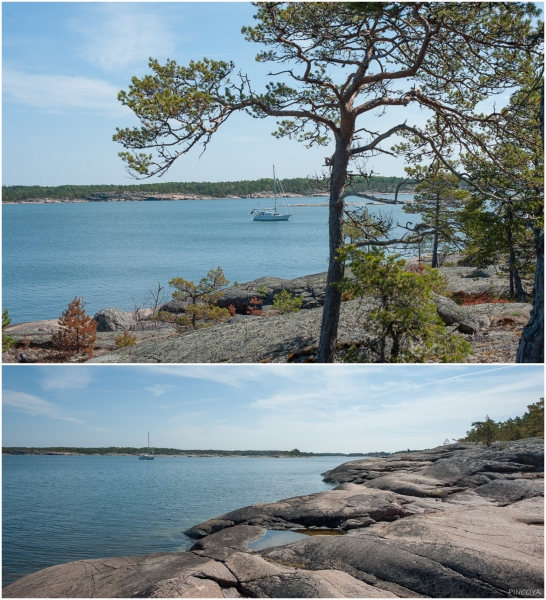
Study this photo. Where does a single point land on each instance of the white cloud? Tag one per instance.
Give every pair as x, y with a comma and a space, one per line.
33, 405
119, 35
60, 93
228, 375
65, 378
159, 389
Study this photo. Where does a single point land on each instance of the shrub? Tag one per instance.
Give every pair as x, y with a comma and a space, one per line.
470, 298
399, 314
77, 331
125, 339
286, 302
7, 341
262, 291
201, 310
254, 308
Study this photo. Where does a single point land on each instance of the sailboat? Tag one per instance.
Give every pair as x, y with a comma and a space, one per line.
271, 214
149, 455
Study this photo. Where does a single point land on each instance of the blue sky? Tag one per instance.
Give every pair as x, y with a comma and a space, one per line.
345, 408
64, 63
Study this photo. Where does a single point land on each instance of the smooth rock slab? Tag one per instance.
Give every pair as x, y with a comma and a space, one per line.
313, 584
480, 552
233, 537
104, 578
325, 509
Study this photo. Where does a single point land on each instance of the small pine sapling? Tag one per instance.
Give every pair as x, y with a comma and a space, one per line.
125, 339
285, 302
77, 331
7, 341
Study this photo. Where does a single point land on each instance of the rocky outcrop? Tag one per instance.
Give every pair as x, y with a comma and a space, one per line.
493, 329
459, 521
245, 339
474, 281
114, 319
286, 338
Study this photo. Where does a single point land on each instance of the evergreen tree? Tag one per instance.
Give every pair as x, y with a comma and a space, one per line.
438, 199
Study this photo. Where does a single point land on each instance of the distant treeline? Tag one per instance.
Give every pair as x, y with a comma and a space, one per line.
531, 424
175, 451
15, 193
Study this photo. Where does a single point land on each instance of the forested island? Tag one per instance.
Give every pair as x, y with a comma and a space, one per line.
115, 450
221, 189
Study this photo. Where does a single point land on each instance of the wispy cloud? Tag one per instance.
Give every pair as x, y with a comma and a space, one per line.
228, 375
159, 389
33, 405
65, 378
117, 35
60, 93
416, 386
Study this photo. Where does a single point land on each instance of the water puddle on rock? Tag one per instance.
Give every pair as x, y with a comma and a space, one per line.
274, 537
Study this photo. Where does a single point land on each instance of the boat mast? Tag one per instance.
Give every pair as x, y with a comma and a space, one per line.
275, 188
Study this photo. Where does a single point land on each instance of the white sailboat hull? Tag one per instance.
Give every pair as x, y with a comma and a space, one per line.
147, 455
271, 217
271, 214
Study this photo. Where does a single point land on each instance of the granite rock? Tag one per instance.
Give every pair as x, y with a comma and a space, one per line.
114, 319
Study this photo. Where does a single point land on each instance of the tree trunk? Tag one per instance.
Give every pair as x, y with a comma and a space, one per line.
336, 268
434, 264
518, 286
531, 344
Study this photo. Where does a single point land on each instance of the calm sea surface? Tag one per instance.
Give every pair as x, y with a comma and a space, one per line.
112, 252
57, 509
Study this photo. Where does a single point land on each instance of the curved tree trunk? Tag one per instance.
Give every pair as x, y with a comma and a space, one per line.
336, 268
531, 345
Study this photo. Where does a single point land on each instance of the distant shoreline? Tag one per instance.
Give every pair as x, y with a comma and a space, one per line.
180, 198
152, 198
183, 454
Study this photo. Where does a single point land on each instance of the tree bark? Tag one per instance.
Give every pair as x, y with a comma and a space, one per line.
434, 263
531, 344
336, 268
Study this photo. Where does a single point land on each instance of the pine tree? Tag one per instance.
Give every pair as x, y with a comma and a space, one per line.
77, 331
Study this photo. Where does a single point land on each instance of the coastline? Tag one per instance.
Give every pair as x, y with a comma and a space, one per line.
152, 198
188, 454
139, 197
424, 524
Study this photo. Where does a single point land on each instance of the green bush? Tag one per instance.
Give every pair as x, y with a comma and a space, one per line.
202, 298
125, 339
398, 315
286, 302
7, 341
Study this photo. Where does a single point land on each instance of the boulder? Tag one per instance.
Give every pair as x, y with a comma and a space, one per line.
114, 319
451, 313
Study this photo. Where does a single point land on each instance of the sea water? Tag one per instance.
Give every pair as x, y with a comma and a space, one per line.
57, 509
112, 253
